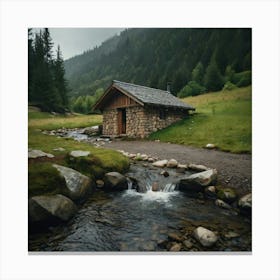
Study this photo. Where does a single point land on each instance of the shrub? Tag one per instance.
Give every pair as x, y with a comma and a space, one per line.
191, 89
242, 79
229, 86
185, 91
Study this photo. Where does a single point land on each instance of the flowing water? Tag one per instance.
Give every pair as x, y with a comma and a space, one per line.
141, 220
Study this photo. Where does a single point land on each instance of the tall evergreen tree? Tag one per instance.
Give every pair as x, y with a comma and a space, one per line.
197, 73
43, 89
213, 79
59, 80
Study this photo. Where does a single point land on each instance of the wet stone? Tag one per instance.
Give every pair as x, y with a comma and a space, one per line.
188, 244
175, 247
174, 236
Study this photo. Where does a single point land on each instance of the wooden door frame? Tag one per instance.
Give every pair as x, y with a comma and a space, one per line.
121, 121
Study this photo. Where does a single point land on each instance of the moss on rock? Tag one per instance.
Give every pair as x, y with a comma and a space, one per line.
43, 178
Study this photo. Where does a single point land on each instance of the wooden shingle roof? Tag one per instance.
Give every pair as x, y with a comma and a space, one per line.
146, 95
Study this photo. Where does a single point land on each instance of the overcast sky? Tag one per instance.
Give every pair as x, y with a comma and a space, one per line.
75, 41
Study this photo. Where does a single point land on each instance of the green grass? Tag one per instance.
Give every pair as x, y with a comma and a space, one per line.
43, 120
221, 118
95, 165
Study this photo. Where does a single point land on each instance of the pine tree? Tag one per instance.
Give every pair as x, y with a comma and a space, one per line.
43, 89
197, 73
213, 79
59, 80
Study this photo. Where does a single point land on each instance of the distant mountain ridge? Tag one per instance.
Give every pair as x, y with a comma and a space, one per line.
155, 56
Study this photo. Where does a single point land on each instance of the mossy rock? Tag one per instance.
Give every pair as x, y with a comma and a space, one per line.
94, 166
44, 179
88, 165
227, 194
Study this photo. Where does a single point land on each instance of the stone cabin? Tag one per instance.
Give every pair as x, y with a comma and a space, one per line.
137, 111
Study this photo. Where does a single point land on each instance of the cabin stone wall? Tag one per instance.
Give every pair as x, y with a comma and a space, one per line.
141, 121
110, 122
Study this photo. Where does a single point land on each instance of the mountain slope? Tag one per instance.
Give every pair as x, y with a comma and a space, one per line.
153, 57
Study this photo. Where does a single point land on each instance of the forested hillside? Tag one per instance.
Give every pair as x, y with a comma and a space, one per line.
194, 60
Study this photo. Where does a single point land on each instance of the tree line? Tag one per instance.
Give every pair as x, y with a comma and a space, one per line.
47, 85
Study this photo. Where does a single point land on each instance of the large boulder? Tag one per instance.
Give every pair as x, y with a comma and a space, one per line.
245, 203
205, 237
115, 181
198, 181
160, 163
50, 208
78, 186
227, 194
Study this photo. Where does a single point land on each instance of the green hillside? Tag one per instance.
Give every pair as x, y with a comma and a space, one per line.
221, 118
153, 57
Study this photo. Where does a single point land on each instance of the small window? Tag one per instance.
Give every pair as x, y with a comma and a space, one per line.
162, 114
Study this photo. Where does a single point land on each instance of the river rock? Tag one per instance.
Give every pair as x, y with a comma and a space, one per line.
231, 234
206, 237
160, 163
46, 208
210, 192
144, 157
164, 173
182, 166
115, 181
131, 156
176, 247
222, 204
197, 167
150, 159
78, 185
174, 236
38, 153
210, 146
99, 184
91, 131
172, 163
79, 153
227, 194
198, 181
188, 244
245, 202
155, 187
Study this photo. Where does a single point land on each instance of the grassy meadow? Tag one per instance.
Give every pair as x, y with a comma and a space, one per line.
43, 120
222, 118
43, 178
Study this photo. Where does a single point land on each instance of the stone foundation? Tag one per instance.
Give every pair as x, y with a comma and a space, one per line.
141, 121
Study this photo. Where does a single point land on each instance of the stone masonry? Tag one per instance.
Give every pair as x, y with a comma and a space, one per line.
141, 121
110, 122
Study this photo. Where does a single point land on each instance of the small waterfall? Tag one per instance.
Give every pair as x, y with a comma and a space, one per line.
169, 187
129, 183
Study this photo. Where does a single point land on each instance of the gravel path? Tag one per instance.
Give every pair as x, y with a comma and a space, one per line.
234, 170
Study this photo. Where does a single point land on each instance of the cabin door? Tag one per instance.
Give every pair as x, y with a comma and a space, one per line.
122, 121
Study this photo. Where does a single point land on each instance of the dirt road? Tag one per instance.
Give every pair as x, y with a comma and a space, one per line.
234, 170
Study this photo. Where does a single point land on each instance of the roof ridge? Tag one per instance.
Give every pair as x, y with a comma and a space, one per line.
141, 86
